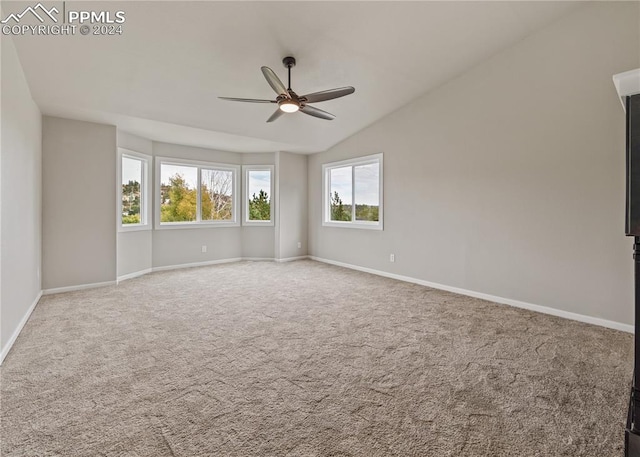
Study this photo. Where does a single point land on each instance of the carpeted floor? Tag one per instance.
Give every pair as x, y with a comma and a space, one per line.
306, 359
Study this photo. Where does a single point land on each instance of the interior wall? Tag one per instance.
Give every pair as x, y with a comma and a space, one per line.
21, 198
510, 179
79, 201
259, 242
135, 248
140, 251
184, 246
293, 216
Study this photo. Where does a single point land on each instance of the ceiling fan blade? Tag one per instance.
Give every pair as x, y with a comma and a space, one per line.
250, 100
315, 112
327, 94
275, 115
274, 81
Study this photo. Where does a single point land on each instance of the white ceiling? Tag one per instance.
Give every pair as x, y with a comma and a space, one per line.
162, 77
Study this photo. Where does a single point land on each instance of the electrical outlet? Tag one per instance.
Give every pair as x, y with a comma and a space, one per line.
299, 245
392, 257
204, 248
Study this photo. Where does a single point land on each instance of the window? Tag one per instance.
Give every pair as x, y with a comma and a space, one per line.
196, 193
134, 207
352, 193
258, 195
216, 198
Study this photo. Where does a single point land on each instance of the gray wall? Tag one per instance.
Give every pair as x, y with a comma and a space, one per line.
259, 242
135, 248
508, 180
20, 192
184, 246
134, 143
79, 201
293, 216
140, 251
135, 252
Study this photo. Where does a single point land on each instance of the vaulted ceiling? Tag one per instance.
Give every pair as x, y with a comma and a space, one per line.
162, 77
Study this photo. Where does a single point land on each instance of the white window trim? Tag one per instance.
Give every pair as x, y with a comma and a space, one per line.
145, 188
326, 187
235, 222
245, 195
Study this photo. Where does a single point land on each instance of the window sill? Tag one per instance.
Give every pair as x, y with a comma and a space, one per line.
194, 225
134, 228
353, 225
257, 223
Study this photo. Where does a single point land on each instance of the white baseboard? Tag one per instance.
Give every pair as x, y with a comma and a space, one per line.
135, 274
216, 262
14, 336
196, 264
291, 259
470, 293
59, 290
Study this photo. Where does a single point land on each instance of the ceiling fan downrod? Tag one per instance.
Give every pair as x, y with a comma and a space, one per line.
289, 62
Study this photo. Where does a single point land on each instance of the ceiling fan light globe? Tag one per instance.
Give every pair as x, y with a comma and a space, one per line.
289, 106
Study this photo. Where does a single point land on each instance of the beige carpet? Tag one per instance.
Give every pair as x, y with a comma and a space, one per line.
306, 359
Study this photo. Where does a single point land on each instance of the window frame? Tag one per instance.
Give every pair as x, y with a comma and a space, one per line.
145, 191
326, 189
199, 165
245, 195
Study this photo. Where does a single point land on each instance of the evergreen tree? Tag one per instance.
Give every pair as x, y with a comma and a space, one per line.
338, 211
259, 207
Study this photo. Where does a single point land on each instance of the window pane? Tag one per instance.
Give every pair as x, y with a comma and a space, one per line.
216, 195
178, 193
131, 185
367, 191
341, 192
259, 198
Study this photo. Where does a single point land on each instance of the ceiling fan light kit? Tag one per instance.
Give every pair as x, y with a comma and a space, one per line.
290, 102
289, 106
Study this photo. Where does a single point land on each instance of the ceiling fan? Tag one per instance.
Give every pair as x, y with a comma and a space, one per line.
290, 102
